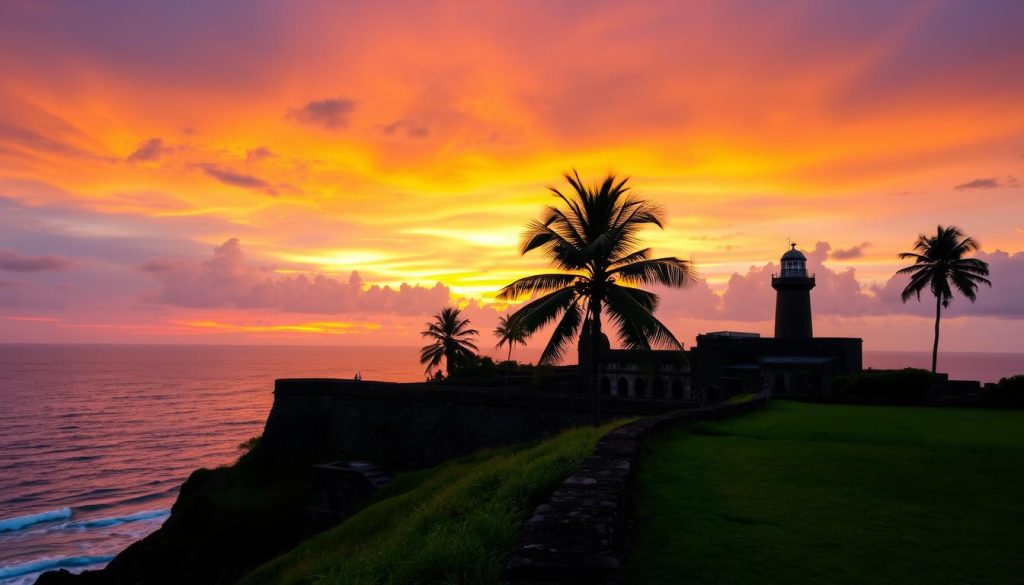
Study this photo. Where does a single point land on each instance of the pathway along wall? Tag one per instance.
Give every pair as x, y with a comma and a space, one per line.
577, 535
404, 426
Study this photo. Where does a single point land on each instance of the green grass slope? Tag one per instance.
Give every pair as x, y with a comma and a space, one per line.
803, 493
452, 524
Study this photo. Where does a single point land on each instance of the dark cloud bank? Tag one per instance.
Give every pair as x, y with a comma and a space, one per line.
331, 113
237, 179
989, 183
149, 151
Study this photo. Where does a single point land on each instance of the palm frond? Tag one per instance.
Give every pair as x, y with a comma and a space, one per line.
538, 313
645, 299
971, 266
671, 272
636, 256
637, 326
919, 281
562, 336
431, 355
537, 284
913, 256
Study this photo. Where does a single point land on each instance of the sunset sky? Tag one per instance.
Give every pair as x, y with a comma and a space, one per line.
327, 172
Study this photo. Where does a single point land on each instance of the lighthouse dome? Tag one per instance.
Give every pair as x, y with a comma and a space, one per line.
794, 254
794, 264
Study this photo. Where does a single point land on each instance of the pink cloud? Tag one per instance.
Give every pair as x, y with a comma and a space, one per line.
14, 262
749, 297
849, 253
227, 280
1006, 271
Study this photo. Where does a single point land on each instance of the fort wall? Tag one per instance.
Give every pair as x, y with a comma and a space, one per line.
403, 426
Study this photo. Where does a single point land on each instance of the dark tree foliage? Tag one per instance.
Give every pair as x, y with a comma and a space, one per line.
940, 266
509, 332
592, 237
451, 339
905, 383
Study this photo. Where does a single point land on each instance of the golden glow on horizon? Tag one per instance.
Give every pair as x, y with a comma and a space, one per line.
329, 327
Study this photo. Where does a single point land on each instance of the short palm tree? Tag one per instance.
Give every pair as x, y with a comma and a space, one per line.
939, 264
591, 236
509, 333
451, 339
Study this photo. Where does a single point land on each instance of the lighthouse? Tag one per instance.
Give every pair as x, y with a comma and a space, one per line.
793, 297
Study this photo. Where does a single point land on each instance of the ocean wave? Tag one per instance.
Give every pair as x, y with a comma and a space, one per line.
139, 499
22, 522
114, 521
40, 565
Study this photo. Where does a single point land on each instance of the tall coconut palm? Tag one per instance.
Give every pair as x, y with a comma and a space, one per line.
939, 264
509, 333
451, 340
592, 237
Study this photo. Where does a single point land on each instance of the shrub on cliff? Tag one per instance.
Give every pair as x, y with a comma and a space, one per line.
1009, 391
905, 383
474, 367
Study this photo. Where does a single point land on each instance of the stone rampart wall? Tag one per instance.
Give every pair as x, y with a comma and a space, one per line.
403, 426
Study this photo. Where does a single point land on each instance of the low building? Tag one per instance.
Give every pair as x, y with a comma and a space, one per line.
731, 363
793, 363
658, 375
725, 363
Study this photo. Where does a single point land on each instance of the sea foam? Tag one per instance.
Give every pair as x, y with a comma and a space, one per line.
114, 521
22, 522
40, 565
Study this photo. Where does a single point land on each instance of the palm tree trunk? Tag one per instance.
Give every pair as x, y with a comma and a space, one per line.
508, 363
595, 358
935, 345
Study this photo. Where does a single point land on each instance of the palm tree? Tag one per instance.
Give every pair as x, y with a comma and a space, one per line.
938, 263
591, 236
451, 340
509, 333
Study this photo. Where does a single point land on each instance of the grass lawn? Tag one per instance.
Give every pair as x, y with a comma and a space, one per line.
455, 523
802, 493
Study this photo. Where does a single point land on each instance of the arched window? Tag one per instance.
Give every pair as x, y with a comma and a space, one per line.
658, 388
677, 389
640, 388
622, 387
606, 386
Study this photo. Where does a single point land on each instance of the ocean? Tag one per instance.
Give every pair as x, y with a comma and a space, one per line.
95, 440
